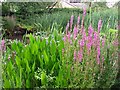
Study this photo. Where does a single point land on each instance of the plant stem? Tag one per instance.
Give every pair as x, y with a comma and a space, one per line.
90, 11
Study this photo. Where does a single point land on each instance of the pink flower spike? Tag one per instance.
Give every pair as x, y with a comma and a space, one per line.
67, 28
90, 30
88, 46
2, 46
80, 55
75, 55
95, 38
78, 21
68, 36
2, 42
81, 42
95, 35
103, 58
98, 54
98, 50
84, 11
99, 25
84, 35
75, 32
98, 60
71, 21
70, 41
103, 41
89, 43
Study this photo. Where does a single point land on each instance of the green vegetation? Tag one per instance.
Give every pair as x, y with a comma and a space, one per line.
66, 48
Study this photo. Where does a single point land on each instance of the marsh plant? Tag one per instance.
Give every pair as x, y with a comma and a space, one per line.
92, 57
80, 57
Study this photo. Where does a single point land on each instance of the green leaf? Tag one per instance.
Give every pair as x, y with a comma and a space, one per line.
18, 82
21, 74
13, 46
18, 61
27, 67
60, 47
32, 48
35, 47
53, 47
43, 44
27, 83
52, 70
53, 59
33, 66
102, 34
27, 53
7, 84
113, 30
45, 57
31, 38
41, 61
43, 78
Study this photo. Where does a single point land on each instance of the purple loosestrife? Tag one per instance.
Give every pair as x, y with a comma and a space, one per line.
95, 38
103, 58
98, 54
75, 32
70, 41
90, 30
84, 11
82, 23
89, 44
98, 59
82, 26
98, 47
103, 42
2, 45
71, 21
115, 43
67, 27
80, 55
78, 21
90, 39
81, 42
68, 37
99, 25
64, 38
75, 55
84, 35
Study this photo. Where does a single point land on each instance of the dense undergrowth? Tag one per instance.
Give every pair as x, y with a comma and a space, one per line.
79, 57
68, 49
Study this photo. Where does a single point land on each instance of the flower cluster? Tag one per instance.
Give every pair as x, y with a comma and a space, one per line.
2, 45
86, 40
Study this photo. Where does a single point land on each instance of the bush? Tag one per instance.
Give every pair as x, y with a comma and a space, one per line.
9, 24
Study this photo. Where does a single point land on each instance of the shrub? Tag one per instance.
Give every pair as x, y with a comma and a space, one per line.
9, 24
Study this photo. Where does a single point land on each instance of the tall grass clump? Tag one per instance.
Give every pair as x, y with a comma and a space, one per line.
44, 21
